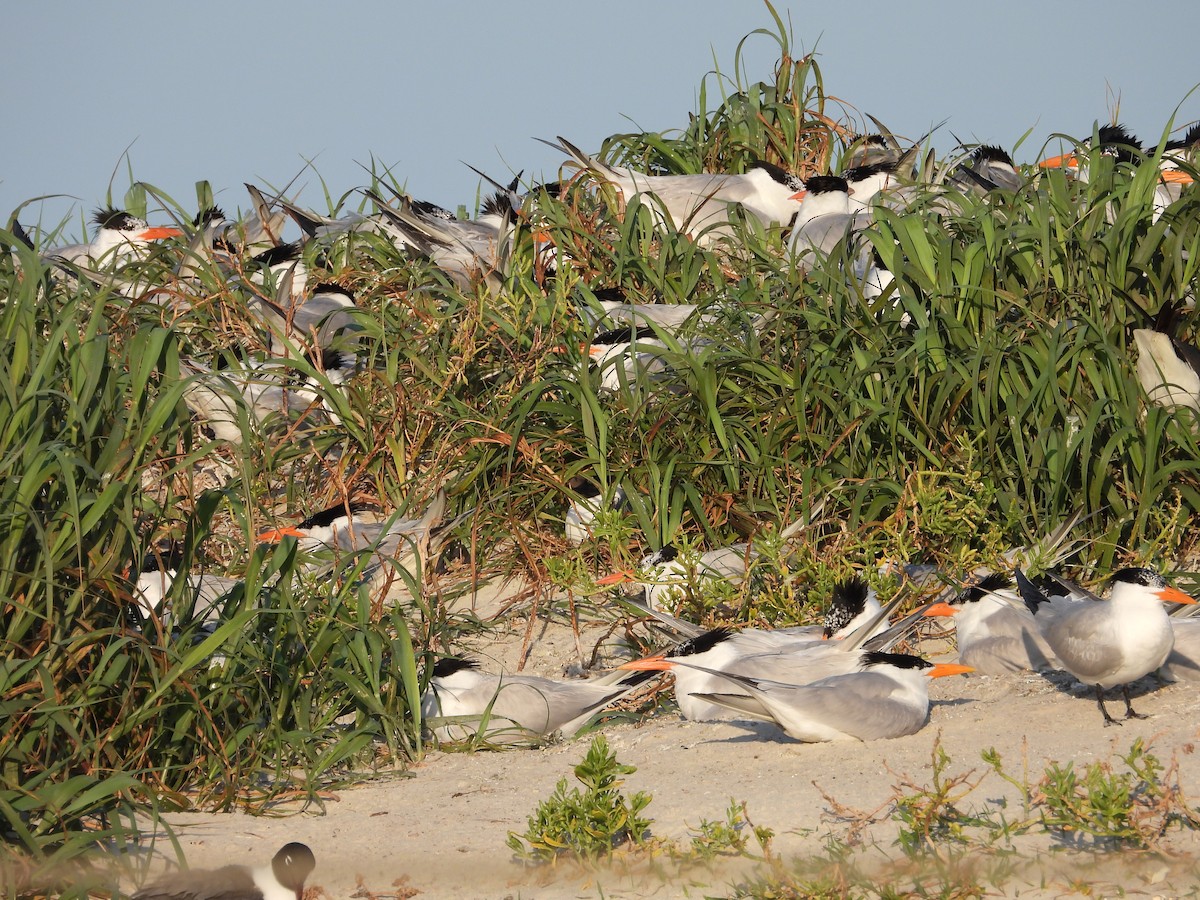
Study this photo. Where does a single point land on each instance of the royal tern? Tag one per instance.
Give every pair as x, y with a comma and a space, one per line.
996, 634
605, 313
1173, 177
886, 697
665, 574
1183, 663
700, 204
467, 251
325, 321
794, 656
865, 183
203, 595
397, 546
462, 702
582, 511
989, 168
283, 879
1111, 140
248, 395
824, 220
119, 237
1168, 369
629, 356
1108, 643
874, 150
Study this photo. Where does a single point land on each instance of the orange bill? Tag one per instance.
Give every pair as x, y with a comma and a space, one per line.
1174, 595
942, 669
158, 233
656, 663
799, 195
275, 535
941, 609
621, 577
1176, 176
1067, 160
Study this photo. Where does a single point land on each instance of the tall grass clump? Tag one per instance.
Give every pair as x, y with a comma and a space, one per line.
106, 715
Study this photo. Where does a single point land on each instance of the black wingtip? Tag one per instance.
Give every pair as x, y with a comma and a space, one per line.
1033, 596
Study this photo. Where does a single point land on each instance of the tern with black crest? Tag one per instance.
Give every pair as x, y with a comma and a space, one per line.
462, 701
1108, 643
887, 696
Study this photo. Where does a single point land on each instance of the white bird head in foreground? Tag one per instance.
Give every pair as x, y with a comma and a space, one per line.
282, 880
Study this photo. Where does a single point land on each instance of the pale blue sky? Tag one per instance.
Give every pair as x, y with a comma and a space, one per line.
234, 92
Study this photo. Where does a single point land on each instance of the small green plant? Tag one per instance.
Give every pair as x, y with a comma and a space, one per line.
931, 816
730, 837
588, 823
1133, 808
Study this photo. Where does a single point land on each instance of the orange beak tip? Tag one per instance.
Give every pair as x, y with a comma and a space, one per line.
940, 609
1176, 176
799, 195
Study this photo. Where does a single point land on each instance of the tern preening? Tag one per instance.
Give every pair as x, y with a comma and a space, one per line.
283, 879
1108, 643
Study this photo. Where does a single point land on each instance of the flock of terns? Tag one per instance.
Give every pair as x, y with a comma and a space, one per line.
843, 680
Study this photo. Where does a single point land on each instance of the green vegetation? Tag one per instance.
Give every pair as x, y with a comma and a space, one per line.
953, 849
590, 823
967, 411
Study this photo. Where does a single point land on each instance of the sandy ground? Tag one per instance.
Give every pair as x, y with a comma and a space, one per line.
443, 826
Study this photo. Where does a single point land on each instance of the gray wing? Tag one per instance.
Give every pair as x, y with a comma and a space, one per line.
803, 664
818, 237
1081, 640
228, 883
740, 703
1184, 662
862, 705
1011, 644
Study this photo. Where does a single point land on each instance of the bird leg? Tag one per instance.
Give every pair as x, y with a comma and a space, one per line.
1108, 720
1129, 713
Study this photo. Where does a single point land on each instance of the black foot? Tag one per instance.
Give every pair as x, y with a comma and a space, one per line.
1108, 720
1129, 713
